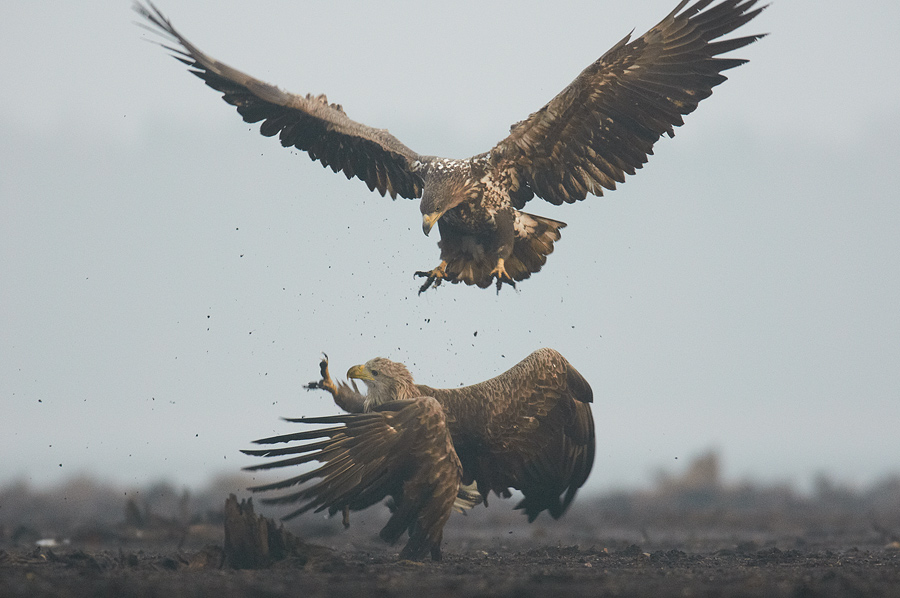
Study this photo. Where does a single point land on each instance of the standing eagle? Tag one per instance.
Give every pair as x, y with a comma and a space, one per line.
529, 428
600, 127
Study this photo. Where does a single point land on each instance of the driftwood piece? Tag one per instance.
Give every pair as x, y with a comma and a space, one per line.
256, 542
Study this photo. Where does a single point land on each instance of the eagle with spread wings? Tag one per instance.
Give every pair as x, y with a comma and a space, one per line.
586, 139
432, 450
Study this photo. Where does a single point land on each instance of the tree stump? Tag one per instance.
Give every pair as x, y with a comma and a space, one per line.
256, 542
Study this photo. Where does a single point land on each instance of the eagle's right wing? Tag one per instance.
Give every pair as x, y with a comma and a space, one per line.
308, 123
402, 450
604, 124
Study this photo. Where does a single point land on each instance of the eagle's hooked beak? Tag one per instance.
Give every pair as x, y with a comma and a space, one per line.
360, 373
428, 221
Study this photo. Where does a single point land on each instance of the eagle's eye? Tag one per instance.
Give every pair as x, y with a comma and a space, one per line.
374, 372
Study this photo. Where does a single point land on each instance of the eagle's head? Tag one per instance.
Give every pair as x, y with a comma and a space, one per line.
386, 381
448, 183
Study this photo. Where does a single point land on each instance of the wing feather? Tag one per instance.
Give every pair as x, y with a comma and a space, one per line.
529, 428
604, 124
402, 449
308, 123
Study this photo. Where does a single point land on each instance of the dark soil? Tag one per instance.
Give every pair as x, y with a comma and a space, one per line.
688, 537
746, 570
496, 556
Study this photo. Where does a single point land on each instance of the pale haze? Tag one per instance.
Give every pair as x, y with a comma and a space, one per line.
170, 278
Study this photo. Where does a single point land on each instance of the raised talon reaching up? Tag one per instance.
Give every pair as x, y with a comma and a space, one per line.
326, 383
346, 396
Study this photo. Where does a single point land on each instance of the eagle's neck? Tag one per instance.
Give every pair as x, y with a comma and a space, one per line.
396, 390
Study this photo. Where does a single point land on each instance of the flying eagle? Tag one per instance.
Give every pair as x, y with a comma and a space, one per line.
529, 428
599, 128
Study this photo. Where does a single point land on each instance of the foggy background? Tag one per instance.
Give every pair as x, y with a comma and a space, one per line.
170, 278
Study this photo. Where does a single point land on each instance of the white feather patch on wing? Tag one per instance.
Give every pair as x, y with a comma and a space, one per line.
525, 225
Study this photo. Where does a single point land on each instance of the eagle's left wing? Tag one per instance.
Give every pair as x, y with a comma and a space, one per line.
604, 124
402, 449
530, 428
308, 123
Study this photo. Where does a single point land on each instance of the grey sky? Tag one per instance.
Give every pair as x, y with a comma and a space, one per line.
170, 278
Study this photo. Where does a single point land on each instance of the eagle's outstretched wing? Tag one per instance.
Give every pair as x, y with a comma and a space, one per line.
402, 449
529, 428
604, 124
306, 122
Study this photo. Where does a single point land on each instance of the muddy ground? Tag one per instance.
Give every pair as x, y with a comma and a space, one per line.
684, 538
846, 561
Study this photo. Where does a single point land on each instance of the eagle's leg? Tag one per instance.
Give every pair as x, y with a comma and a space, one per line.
505, 221
347, 398
434, 276
436, 547
326, 383
502, 276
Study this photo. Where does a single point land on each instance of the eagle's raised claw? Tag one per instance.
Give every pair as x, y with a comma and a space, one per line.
326, 383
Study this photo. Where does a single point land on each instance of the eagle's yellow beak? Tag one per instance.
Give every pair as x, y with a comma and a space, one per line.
360, 373
428, 221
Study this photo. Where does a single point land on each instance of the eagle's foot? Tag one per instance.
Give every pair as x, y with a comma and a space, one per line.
326, 383
501, 275
434, 277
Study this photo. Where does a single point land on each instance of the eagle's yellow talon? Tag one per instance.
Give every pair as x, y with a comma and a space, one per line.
434, 277
502, 275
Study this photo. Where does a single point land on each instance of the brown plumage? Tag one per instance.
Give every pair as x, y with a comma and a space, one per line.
529, 429
594, 132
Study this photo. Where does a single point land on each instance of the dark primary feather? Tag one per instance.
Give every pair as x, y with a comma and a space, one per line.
308, 123
604, 124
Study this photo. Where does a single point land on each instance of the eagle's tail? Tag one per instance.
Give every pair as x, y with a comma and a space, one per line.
466, 261
535, 236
